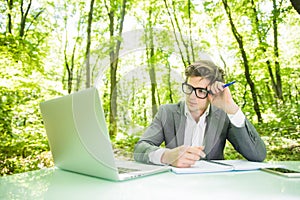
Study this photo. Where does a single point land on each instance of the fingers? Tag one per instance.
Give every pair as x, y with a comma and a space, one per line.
216, 87
183, 156
184, 163
198, 151
221, 97
189, 155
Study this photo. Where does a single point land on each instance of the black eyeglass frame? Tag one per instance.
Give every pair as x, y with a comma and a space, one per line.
194, 89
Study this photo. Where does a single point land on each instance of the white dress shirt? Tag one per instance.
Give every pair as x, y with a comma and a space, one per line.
194, 131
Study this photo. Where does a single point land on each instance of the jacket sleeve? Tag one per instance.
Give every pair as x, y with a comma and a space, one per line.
247, 142
152, 138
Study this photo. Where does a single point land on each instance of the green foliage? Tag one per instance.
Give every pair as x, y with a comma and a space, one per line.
123, 148
23, 144
280, 134
23, 152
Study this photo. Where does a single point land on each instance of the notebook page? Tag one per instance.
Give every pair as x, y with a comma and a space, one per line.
202, 166
240, 165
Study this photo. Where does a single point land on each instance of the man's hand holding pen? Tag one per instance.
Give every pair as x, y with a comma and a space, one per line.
183, 156
220, 97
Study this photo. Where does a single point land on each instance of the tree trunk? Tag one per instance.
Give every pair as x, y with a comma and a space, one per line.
175, 35
276, 51
262, 41
153, 81
9, 22
190, 30
23, 17
67, 65
114, 54
169, 83
70, 63
151, 60
88, 45
239, 39
185, 44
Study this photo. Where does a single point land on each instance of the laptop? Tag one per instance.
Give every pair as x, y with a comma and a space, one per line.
79, 139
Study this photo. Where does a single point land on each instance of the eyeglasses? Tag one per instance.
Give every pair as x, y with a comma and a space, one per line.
201, 93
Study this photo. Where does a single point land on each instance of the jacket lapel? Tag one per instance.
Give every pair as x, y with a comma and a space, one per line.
214, 123
179, 122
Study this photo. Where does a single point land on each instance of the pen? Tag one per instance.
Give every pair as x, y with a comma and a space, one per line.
215, 162
219, 163
228, 84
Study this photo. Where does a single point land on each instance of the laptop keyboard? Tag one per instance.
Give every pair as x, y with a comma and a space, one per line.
123, 170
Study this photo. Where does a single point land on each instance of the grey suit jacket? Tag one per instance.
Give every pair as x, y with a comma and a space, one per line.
169, 125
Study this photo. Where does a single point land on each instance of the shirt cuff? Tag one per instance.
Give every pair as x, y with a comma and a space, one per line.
237, 119
155, 156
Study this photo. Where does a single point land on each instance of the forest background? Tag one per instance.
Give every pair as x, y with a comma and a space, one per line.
135, 53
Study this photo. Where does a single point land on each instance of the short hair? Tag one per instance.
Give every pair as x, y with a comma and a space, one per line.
206, 69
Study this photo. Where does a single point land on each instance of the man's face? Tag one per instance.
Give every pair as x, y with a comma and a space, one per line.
194, 103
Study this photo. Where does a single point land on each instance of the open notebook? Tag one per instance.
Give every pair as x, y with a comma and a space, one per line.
209, 166
79, 140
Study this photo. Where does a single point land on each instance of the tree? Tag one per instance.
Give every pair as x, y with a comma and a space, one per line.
176, 26
261, 29
9, 15
71, 43
24, 17
276, 85
115, 32
150, 54
88, 45
240, 42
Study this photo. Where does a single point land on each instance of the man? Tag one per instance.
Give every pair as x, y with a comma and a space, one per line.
198, 127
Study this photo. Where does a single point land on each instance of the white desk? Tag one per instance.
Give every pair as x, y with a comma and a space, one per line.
57, 184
